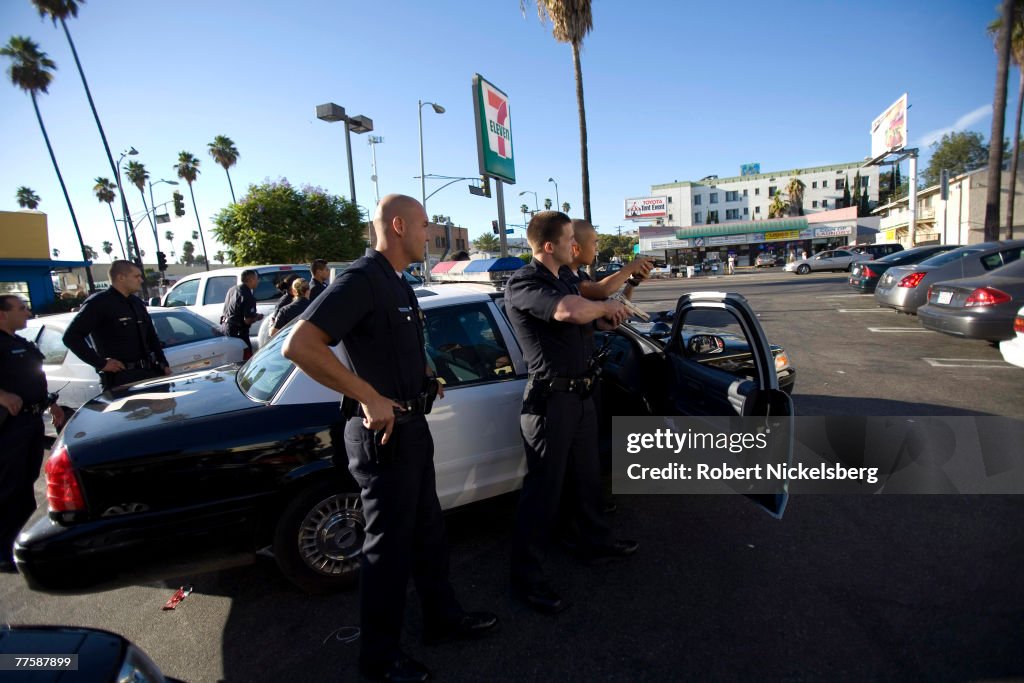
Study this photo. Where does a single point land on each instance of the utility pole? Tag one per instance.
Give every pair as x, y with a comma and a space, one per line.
375, 140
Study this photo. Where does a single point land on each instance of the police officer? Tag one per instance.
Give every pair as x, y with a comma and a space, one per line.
388, 444
321, 274
23, 399
126, 346
558, 420
240, 308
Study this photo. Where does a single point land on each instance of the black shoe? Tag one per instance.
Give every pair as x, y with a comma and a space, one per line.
404, 669
614, 550
470, 625
541, 598
8, 567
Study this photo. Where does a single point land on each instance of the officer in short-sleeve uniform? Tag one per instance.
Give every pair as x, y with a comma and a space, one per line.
22, 387
240, 309
559, 427
374, 312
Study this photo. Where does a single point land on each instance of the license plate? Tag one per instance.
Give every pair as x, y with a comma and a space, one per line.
945, 297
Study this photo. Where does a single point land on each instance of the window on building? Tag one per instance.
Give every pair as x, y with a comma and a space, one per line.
712, 217
757, 209
824, 203
732, 214
696, 200
698, 217
732, 196
714, 198
840, 183
824, 183
744, 193
746, 210
814, 204
864, 181
757, 191
771, 190
814, 185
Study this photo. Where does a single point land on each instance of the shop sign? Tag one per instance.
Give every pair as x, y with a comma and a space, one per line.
833, 232
782, 235
670, 244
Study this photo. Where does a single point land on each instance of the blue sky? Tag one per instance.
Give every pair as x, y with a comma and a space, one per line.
674, 91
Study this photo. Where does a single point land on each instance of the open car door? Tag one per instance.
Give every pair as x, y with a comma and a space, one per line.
719, 363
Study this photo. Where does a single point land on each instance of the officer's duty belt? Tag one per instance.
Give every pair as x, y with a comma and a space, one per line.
573, 385
409, 410
35, 408
138, 365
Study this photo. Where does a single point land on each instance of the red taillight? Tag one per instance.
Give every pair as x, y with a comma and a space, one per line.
62, 490
987, 296
1018, 324
912, 280
867, 272
928, 296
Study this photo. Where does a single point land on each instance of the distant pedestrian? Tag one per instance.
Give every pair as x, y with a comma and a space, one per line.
803, 254
321, 274
240, 308
300, 301
285, 287
732, 264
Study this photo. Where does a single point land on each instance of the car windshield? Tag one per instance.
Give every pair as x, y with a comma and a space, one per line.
950, 256
265, 373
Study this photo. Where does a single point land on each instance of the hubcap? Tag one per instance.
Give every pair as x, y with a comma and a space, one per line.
331, 535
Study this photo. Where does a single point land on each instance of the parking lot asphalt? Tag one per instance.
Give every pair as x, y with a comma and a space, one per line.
842, 588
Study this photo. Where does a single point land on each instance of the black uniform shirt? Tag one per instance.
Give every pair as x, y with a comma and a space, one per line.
574, 278
551, 348
239, 304
120, 328
21, 368
291, 311
316, 288
374, 312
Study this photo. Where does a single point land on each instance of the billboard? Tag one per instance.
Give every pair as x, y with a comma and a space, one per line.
889, 131
642, 208
493, 131
750, 169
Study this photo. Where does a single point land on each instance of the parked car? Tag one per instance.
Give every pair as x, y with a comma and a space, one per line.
606, 269
101, 656
766, 260
905, 288
1013, 350
835, 259
189, 343
204, 293
877, 251
865, 275
982, 307
190, 471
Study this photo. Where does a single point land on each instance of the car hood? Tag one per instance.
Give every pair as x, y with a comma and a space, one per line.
158, 402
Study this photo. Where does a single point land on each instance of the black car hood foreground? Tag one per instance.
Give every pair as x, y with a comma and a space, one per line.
155, 403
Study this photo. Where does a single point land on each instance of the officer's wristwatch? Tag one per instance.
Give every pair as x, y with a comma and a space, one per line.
633, 281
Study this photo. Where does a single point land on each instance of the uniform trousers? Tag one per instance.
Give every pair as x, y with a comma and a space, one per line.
238, 333
404, 534
21, 456
561, 451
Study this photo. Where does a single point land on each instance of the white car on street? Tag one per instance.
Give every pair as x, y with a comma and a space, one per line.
1013, 349
835, 259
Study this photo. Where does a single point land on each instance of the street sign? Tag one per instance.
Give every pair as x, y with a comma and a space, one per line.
493, 131
508, 231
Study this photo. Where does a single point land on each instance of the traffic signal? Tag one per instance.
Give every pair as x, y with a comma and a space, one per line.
179, 204
494, 227
485, 184
161, 261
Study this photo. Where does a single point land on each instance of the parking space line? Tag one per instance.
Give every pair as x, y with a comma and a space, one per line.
898, 329
865, 310
966, 363
842, 296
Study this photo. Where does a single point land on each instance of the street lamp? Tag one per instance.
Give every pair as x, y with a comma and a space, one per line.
156, 239
438, 109
129, 229
558, 204
535, 207
375, 140
331, 112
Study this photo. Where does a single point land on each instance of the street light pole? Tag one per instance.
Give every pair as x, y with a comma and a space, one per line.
558, 204
374, 141
535, 207
129, 229
332, 112
438, 109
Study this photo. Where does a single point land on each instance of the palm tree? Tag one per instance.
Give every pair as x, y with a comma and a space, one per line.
108, 249
106, 191
796, 197
187, 169
778, 206
565, 207
1017, 57
90, 253
224, 152
995, 142
27, 198
525, 210
571, 21
137, 175
219, 257
547, 203
169, 236
31, 70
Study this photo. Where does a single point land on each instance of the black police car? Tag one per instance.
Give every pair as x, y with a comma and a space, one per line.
196, 471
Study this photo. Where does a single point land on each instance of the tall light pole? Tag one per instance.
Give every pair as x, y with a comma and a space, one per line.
535, 207
438, 109
129, 229
156, 239
558, 204
331, 112
375, 140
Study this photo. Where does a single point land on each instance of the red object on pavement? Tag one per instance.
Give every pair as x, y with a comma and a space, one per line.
178, 596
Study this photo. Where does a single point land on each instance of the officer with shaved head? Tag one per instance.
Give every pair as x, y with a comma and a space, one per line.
390, 452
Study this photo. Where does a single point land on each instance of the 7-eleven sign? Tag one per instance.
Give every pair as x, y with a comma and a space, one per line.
493, 131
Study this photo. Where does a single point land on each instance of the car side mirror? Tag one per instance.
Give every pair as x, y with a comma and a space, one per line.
153, 301
700, 344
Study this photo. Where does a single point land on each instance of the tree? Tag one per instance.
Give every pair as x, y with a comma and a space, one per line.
846, 191
27, 198
565, 207
995, 151
957, 153
571, 21
108, 249
547, 203
219, 257
90, 253
201, 260
31, 70
487, 242
1017, 57
524, 209
796, 197
278, 223
169, 236
187, 169
224, 152
609, 246
863, 209
106, 191
137, 175
778, 206
188, 254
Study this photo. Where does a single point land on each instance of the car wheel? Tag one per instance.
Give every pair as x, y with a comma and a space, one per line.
804, 269
318, 541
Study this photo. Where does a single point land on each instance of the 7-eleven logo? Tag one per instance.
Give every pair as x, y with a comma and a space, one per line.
499, 134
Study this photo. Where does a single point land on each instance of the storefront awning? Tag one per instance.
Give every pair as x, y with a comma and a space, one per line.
715, 230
